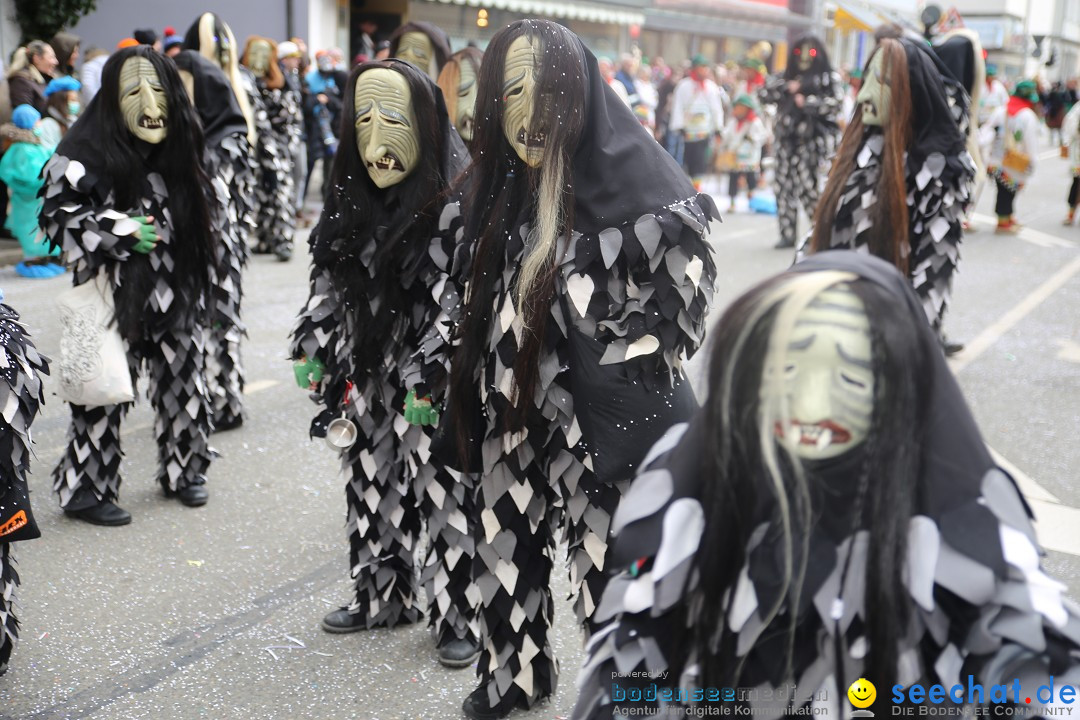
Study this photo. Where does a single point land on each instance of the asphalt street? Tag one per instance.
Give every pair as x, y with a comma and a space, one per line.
214, 612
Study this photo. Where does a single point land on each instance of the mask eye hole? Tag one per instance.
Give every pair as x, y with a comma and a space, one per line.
852, 381
798, 51
813, 52
515, 92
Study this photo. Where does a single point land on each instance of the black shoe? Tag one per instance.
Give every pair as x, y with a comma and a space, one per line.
951, 348
284, 254
105, 513
191, 495
784, 244
458, 652
342, 621
229, 423
476, 706
3, 669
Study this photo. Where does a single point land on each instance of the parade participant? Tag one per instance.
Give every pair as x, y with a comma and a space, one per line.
126, 196
458, 84
20, 170
424, 45
1013, 152
589, 284
22, 394
831, 514
228, 163
962, 53
1070, 138
902, 176
212, 38
697, 112
807, 100
744, 136
373, 284
275, 214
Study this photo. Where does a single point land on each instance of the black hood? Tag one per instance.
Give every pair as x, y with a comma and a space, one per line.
620, 171
214, 99
931, 85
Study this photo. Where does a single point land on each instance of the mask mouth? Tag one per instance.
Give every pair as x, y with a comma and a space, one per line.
151, 123
820, 434
387, 162
531, 140
870, 106
466, 125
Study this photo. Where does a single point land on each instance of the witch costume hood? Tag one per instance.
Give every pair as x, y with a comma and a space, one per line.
980, 603
214, 99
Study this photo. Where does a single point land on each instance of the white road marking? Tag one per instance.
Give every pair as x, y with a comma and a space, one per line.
1006, 322
1070, 350
1048, 154
1035, 237
259, 385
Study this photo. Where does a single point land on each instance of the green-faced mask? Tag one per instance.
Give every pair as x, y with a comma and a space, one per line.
519, 98
143, 102
466, 103
416, 48
258, 57
875, 96
829, 377
807, 53
386, 130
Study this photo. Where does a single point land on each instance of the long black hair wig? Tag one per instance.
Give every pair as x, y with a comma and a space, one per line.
103, 143
500, 194
402, 217
874, 488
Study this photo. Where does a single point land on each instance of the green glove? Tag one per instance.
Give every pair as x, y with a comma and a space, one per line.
419, 411
309, 372
146, 235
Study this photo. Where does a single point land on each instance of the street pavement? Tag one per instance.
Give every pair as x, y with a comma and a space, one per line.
214, 612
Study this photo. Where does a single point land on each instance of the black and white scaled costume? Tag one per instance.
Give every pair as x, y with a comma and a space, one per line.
228, 163
806, 136
980, 608
374, 290
21, 395
161, 297
632, 286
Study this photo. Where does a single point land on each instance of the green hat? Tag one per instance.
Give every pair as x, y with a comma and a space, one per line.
855, 74
991, 69
699, 60
746, 100
1027, 90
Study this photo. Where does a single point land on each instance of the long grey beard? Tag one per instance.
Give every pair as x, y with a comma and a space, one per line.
544, 234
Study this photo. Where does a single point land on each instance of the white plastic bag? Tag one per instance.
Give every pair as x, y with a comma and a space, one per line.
93, 361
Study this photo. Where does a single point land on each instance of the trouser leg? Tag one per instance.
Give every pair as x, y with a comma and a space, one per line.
300, 165
512, 570
383, 524
181, 402
9, 583
446, 505
1004, 204
1074, 192
89, 470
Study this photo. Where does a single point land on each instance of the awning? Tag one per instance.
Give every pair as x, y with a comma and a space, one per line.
853, 18
590, 12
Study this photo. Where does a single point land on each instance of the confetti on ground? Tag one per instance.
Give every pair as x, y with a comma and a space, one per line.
388, 667
196, 563
43, 635
272, 653
290, 638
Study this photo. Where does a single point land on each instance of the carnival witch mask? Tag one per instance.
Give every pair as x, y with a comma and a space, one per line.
387, 136
828, 377
258, 57
520, 97
416, 48
466, 101
807, 53
143, 103
875, 95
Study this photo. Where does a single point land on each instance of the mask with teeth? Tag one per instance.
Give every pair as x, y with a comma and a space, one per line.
466, 102
828, 377
143, 103
520, 98
874, 95
258, 58
385, 124
416, 48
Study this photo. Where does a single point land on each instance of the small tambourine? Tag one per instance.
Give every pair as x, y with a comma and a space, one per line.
341, 433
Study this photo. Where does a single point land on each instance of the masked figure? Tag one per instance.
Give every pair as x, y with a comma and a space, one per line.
373, 293
276, 149
458, 84
902, 177
212, 38
806, 100
228, 165
126, 196
831, 514
588, 287
22, 397
424, 45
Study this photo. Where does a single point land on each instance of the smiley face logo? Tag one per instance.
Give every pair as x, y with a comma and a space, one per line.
862, 693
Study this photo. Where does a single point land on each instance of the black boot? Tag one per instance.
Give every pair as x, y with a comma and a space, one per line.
190, 495
478, 707
105, 512
342, 621
456, 652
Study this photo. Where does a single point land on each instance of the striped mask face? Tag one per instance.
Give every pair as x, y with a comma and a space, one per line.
385, 124
143, 103
829, 377
519, 97
416, 48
